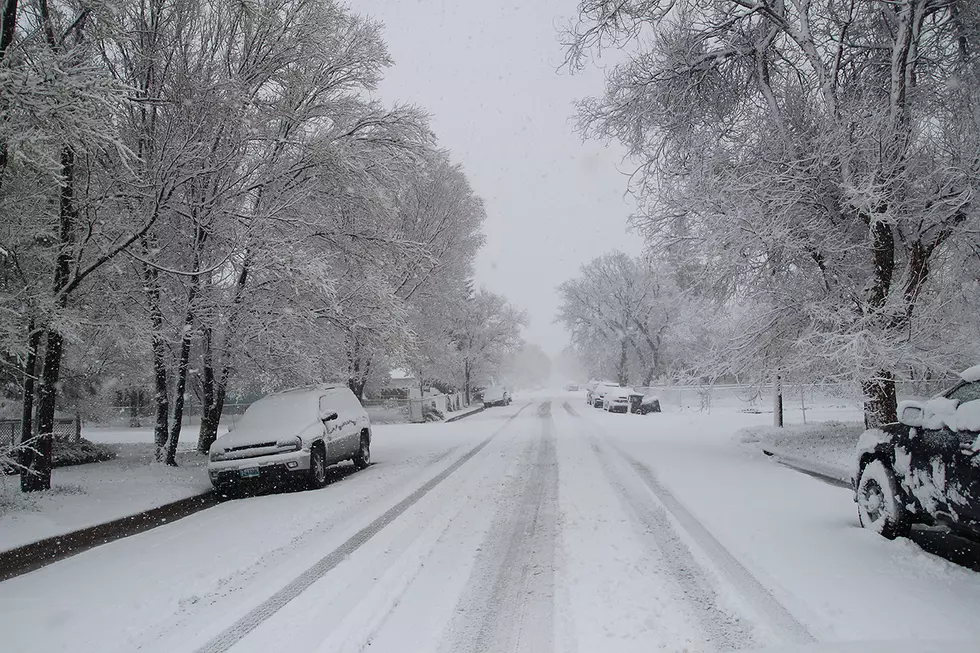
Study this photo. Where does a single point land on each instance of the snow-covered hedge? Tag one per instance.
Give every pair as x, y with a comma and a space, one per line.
80, 452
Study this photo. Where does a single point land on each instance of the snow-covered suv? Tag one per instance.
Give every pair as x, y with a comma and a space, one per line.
292, 436
924, 468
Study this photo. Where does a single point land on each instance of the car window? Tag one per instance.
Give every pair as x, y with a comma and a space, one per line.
327, 405
965, 392
342, 400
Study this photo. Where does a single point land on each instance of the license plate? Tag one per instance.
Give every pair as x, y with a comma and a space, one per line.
249, 472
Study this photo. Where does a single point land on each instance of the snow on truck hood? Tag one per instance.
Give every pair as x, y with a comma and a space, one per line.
273, 417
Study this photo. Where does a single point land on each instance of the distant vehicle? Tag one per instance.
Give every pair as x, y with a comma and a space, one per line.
590, 391
600, 391
924, 468
571, 387
290, 438
496, 396
617, 400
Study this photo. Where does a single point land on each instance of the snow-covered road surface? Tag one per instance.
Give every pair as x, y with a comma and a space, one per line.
542, 527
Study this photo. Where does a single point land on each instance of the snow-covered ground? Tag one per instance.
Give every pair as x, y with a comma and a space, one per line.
825, 447
86, 495
569, 529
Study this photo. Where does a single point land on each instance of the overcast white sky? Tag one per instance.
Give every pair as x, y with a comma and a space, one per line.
487, 74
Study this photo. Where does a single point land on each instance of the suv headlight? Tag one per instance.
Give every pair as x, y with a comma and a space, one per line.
293, 443
215, 454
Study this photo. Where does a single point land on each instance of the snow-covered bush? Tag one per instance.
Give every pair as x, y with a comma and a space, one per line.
81, 452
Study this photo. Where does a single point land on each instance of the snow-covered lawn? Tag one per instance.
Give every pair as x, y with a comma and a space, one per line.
828, 444
86, 495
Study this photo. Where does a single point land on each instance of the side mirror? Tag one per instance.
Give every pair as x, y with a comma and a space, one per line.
329, 417
911, 413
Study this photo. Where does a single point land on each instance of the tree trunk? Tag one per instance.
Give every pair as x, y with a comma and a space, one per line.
880, 405
466, 380
211, 417
777, 402
8, 20
358, 380
161, 393
622, 374
30, 374
209, 425
186, 337
37, 476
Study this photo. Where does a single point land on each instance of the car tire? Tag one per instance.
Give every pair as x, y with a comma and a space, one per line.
363, 456
880, 507
318, 468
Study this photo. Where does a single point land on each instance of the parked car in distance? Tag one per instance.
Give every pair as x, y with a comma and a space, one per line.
924, 468
496, 396
649, 404
617, 400
590, 391
600, 392
571, 387
291, 437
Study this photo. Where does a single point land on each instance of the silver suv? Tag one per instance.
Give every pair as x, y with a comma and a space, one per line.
291, 437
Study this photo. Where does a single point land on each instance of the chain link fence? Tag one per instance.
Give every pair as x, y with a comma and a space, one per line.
759, 398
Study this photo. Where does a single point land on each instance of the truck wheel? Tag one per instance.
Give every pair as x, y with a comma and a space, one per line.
880, 506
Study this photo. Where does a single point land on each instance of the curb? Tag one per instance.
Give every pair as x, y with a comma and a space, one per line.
28, 557
826, 473
464, 415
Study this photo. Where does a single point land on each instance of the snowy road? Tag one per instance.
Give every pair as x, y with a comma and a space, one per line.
547, 526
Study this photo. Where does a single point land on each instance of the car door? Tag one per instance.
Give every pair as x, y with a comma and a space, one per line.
348, 408
333, 430
963, 473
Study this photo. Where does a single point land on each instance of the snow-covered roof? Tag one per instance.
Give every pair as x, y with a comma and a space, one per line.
400, 373
971, 375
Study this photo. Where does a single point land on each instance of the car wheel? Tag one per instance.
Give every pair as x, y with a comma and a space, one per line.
880, 506
363, 457
318, 468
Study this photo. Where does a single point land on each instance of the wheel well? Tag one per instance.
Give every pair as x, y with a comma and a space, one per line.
366, 432
866, 458
319, 445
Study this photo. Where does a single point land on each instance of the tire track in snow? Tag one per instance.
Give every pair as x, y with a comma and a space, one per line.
748, 585
294, 588
683, 566
509, 601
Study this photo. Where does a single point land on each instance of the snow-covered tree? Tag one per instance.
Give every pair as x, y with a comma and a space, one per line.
816, 158
620, 312
487, 331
